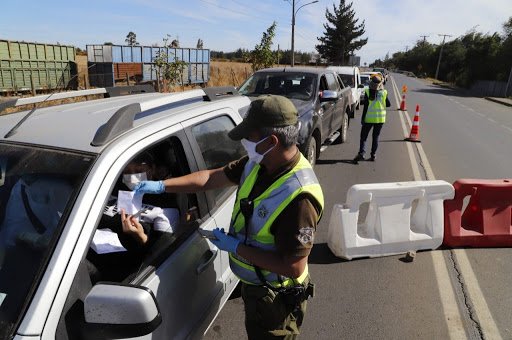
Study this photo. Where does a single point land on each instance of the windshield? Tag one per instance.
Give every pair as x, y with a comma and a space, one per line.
291, 85
348, 79
365, 80
37, 188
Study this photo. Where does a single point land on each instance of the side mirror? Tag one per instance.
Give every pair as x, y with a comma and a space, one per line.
115, 311
328, 96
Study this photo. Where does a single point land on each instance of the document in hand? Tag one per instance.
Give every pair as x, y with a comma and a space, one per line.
129, 201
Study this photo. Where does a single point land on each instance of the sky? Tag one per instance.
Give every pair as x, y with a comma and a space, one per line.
226, 25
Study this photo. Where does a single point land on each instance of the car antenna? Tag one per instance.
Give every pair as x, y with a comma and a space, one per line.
36, 106
15, 128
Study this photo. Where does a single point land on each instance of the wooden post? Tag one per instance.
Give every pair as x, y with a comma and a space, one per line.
85, 81
32, 85
127, 79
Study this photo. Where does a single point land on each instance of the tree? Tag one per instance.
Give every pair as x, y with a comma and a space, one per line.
262, 56
175, 43
341, 33
169, 68
199, 43
108, 43
131, 39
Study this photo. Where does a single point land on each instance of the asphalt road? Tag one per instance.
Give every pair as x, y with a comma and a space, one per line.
443, 294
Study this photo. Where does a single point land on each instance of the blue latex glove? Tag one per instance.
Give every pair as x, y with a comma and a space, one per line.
224, 241
150, 187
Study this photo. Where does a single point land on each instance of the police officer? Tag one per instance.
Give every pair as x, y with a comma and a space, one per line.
374, 116
279, 203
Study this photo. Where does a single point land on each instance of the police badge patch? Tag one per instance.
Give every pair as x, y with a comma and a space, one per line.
262, 212
306, 236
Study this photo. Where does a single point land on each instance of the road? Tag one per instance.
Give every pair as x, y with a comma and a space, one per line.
443, 294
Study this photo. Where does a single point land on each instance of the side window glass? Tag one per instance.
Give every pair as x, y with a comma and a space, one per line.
119, 252
215, 145
331, 82
323, 84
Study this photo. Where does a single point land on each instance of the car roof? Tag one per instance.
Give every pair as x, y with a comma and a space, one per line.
285, 69
343, 69
75, 126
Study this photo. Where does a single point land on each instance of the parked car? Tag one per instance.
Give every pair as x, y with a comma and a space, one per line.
74, 155
351, 76
320, 96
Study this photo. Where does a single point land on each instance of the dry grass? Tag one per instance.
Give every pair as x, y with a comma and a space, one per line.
222, 73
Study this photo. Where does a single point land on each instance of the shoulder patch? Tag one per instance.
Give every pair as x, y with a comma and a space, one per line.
306, 236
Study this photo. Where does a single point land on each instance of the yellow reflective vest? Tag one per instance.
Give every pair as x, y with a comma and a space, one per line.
376, 108
266, 208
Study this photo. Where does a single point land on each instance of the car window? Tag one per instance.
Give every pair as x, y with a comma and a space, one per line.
118, 255
348, 79
37, 189
332, 83
293, 85
323, 84
342, 85
215, 145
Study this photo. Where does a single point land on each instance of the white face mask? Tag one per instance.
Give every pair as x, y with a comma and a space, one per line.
250, 147
131, 180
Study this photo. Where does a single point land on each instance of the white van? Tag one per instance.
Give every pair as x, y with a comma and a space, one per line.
351, 76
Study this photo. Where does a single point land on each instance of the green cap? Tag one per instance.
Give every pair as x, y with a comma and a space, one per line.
265, 111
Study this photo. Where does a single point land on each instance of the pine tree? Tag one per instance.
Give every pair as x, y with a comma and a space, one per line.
341, 33
131, 39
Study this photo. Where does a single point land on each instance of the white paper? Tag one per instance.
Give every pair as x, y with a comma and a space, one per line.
129, 202
106, 241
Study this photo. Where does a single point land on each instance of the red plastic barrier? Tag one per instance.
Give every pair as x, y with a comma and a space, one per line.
487, 219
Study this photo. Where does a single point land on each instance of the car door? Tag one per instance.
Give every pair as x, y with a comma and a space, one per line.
332, 118
210, 139
181, 269
187, 285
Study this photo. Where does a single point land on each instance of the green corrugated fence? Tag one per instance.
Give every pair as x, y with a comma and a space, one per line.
50, 66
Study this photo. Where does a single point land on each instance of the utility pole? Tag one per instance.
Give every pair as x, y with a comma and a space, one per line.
294, 13
440, 53
293, 33
424, 37
406, 48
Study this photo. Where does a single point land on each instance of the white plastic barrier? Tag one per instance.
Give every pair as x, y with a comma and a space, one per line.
401, 217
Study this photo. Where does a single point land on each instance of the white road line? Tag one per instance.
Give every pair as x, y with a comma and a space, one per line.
480, 114
508, 128
491, 120
450, 309
489, 327
414, 164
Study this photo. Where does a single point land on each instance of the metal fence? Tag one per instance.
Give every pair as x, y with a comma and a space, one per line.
28, 66
490, 88
104, 62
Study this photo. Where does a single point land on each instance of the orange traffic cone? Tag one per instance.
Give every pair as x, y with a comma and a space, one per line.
402, 104
414, 136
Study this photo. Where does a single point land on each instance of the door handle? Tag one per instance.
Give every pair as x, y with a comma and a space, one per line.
201, 268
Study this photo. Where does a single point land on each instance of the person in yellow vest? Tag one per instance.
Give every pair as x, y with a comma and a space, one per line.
374, 116
278, 205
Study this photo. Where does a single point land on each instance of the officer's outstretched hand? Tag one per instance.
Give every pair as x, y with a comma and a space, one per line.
225, 242
150, 187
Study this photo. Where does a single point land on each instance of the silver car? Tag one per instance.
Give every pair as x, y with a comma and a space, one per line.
59, 170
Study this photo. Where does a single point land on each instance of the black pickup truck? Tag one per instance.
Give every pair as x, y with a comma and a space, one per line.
320, 97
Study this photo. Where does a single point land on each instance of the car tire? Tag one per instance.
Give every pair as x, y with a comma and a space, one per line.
310, 150
358, 105
343, 130
352, 112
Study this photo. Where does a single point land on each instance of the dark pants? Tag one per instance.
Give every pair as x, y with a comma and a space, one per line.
267, 316
365, 130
